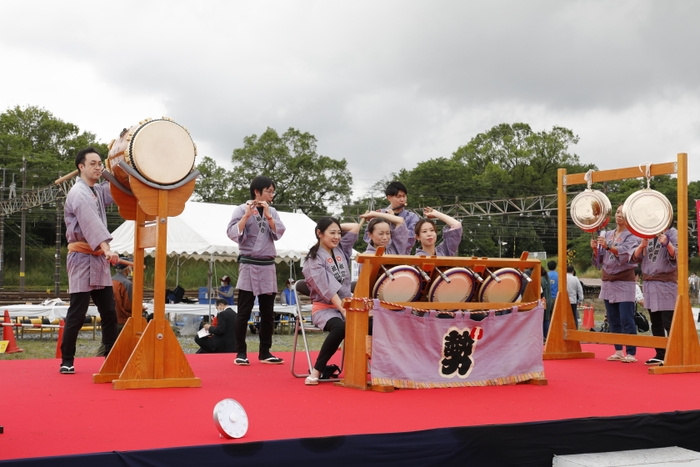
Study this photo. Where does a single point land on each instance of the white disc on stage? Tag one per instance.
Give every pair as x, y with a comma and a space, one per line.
230, 419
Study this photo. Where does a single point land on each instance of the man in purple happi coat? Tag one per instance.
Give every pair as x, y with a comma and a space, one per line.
89, 256
255, 226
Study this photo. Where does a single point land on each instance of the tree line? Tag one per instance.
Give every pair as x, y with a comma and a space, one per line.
510, 160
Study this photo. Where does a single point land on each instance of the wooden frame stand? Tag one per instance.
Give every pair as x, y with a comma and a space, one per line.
682, 347
358, 308
150, 356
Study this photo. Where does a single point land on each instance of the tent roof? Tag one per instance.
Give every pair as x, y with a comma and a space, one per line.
200, 232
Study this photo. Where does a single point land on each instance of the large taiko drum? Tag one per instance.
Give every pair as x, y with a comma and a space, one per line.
453, 285
507, 288
398, 284
160, 150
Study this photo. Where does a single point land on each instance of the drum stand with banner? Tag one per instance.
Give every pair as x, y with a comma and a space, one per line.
152, 175
375, 270
682, 346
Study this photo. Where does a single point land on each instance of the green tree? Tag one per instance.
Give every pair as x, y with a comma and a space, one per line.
47, 143
511, 160
49, 146
305, 180
436, 182
215, 184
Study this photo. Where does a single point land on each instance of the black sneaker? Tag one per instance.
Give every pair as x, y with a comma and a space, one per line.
67, 369
654, 362
272, 360
243, 361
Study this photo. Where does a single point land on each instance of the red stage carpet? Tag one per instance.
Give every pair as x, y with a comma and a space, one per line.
47, 414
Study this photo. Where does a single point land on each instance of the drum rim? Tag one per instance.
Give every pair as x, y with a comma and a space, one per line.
401, 267
490, 279
453, 270
131, 137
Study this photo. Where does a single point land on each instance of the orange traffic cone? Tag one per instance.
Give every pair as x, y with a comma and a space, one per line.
61, 325
9, 335
588, 317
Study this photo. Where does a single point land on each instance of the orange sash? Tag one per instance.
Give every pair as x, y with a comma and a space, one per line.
318, 306
83, 247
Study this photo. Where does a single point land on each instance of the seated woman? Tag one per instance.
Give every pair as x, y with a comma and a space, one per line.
426, 234
327, 274
395, 242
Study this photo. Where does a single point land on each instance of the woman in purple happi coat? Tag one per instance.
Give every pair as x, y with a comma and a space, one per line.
612, 252
426, 234
327, 273
660, 286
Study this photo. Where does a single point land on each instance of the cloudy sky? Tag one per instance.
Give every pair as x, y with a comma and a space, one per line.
383, 84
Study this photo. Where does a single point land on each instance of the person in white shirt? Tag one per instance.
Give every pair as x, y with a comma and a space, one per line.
575, 291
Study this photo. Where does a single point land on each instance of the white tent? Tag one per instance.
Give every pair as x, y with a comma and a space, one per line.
200, 233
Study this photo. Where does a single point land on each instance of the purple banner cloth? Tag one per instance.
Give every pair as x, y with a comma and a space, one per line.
411, 351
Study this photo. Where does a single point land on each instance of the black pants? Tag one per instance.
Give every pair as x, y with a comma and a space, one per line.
266, 303
660, 326
206, 344
75, 318
336, 333
574, 310
102, 350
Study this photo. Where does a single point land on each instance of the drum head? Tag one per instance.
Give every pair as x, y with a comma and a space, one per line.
507, 290
648, 213
162, 151
405, 286
459, 289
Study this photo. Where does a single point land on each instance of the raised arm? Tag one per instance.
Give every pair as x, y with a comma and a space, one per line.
435, 214
351, 227
396, 220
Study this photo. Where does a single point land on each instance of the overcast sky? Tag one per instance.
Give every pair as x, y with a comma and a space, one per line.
382, 84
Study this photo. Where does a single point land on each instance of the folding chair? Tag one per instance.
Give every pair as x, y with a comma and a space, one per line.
301, 325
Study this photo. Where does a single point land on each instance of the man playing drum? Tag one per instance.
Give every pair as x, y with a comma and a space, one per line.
255, 226
89, 256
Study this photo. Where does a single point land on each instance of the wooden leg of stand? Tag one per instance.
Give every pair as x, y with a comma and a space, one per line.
147, 366
121, 351
356, 329
145, 370
557, 347
683, 350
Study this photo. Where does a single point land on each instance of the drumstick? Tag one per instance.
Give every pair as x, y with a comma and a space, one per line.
388, 274
494, 277
425, 275
66, 177
444, 277
478, 276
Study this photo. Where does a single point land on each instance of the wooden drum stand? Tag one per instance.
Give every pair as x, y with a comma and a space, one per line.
148, 356
358, 307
